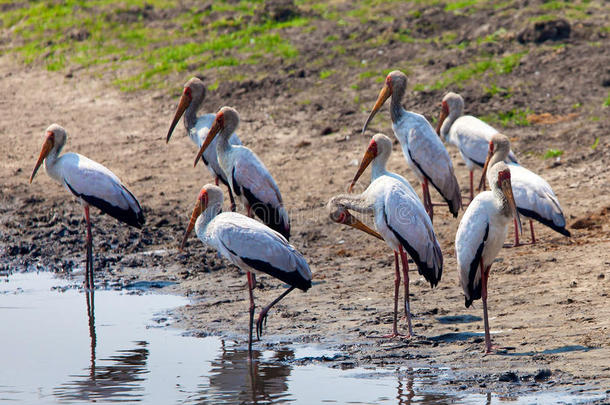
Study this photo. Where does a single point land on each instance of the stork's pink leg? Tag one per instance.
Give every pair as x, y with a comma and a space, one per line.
405, 280
532, 231
249, 211
396, 288
484, 278
251, 284
89, 261
216, 180
516, 233
262, 316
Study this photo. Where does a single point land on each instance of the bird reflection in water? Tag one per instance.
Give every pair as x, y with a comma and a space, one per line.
237, 378
408, 392
118, 378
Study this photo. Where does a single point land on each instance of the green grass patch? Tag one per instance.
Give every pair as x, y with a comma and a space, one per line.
595, 143
512, 118
459, 75
326, 73
607, 101
79, 33
460, 4
553, 153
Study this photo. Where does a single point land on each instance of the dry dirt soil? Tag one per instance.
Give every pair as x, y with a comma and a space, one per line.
549, 304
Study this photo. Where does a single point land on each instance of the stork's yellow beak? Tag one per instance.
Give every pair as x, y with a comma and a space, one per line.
185, 101
216, 127
385, 92
47, 146
368, 157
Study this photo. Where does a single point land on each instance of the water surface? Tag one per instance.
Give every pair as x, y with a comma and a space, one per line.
60, 345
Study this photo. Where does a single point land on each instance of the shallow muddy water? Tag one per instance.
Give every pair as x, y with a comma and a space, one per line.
60, 345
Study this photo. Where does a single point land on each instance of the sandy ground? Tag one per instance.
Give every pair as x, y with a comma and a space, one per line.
549, 304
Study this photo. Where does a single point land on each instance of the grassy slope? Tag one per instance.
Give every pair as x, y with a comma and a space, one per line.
141, 44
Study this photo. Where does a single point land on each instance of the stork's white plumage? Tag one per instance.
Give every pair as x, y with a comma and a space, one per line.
534, 197
91, 182
469, 134
248, 177
481, 234
248, 244
197, 129
424, 152
399, 216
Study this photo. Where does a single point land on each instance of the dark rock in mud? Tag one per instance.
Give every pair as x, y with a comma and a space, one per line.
509, 376
542, 31
542, 375
79, 35
280, 10
133, 14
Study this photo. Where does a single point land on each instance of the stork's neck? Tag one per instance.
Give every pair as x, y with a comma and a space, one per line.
190, 115
50, 163
205, 218
499, 155
378, 167
396, 110
454, 114
355, 202
223, 145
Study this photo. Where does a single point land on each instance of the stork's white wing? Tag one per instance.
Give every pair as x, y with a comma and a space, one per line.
406, 217
250, 172
427, 152
535, 197
472, 136
470, 240
246, 241
99, 187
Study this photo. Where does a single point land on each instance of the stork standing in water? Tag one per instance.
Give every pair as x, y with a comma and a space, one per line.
250, 245
92, 183
248, 177
534, 197
400, 219
481, 234
469, 134
197, 129
422, 148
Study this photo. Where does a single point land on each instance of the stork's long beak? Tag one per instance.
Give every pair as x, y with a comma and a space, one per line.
199, 208
47, 146
441, 119
343, 216
489, 155
216, 127
185, 101
368, 157
507, 189
385, 92
355, 223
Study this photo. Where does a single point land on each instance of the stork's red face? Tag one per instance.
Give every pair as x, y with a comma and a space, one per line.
47, 146
200, 206
505, 185
185, 101
503, 176
217, 126
369, 156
